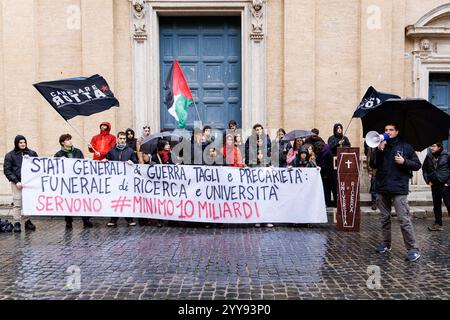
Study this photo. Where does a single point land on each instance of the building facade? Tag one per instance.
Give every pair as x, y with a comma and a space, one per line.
295, 64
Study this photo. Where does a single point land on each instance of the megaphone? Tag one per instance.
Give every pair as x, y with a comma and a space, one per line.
373, 138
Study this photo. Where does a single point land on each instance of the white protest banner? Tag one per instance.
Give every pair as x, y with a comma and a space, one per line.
78, 187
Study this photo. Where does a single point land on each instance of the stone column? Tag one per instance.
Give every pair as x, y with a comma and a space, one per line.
141, 61
20, 72
337, 66
257, 63
299, 64
59, 54
123, 65
98, 56
275, 64
3, 143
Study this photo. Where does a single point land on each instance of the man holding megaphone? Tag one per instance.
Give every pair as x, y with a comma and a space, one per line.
394, 160
374, 139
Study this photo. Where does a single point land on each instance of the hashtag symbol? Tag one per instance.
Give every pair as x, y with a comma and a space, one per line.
120, 204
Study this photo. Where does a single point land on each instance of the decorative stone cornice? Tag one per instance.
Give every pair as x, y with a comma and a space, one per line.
424, 27
420, 32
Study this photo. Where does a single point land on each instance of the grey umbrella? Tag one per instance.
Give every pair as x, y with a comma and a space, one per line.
151, 143
297, 134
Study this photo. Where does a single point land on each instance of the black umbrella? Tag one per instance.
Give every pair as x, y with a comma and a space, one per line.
151, 143
297, 134
420, 123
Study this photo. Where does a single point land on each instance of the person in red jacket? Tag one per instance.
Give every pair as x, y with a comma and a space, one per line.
102, 142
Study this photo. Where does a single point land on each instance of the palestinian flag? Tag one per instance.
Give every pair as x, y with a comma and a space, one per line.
178, 95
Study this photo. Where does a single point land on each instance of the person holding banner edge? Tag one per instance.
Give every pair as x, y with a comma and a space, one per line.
121, 152
12, 169
69, 151
395, 160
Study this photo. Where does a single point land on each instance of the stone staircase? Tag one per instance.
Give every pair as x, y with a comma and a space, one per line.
419, 196
419, 199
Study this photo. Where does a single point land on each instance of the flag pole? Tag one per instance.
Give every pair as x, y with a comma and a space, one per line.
81, 136
198, 114
348, 126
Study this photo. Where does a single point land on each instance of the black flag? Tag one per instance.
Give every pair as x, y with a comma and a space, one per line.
78, 96
371, 100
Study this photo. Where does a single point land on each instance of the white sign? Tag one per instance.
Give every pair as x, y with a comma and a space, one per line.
78, 187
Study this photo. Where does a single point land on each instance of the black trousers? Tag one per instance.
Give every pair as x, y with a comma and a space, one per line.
327, 191
117, 218
70, 219
440, 192
330, 187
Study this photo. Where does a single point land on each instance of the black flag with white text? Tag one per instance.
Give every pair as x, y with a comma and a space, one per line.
371, 100
78, 96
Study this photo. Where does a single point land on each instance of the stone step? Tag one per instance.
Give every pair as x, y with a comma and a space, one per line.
420, 212
416, 198
5, 200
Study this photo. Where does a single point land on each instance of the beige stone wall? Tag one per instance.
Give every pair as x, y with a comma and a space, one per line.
321, 57
41, 41
336, 48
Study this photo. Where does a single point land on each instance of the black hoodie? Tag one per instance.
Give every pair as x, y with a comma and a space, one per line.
333, 141
13, 160
131, 142
307, 163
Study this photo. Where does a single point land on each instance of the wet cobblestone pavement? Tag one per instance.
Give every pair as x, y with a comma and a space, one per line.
219, 263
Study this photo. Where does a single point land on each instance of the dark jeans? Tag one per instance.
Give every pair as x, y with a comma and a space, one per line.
333, 186
373, 189
440, 192
114, 220
70, 219
326, 181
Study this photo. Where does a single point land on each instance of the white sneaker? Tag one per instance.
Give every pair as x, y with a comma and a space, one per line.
269, 225
132, 224
111, 224
258, 225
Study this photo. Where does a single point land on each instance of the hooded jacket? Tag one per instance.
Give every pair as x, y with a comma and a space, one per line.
103, 142
391, 177
307, 163
324, 159
131, 142
13, 160
333, 141
437, 169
